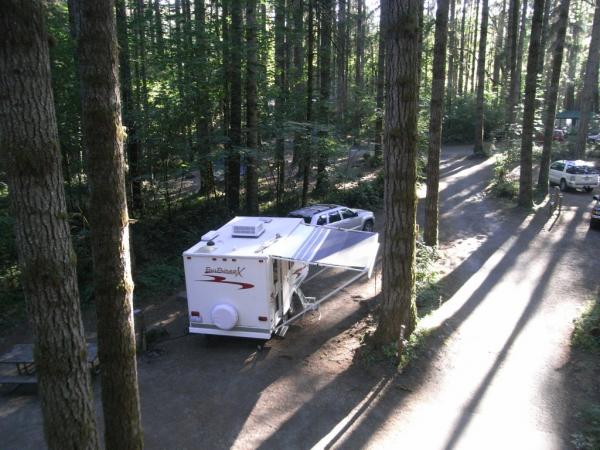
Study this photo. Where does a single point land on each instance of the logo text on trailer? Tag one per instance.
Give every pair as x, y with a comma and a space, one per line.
236, 272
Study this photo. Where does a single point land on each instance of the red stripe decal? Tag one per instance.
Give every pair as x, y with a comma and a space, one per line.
219, 279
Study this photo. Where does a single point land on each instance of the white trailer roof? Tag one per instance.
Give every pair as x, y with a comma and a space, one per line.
228, 245
292, 239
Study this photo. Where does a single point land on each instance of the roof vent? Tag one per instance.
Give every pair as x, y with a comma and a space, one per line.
251, 228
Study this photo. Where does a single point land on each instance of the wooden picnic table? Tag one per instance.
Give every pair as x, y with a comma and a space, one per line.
21, 356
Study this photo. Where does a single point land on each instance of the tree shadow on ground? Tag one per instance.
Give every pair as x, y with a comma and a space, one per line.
326, 424
391, 401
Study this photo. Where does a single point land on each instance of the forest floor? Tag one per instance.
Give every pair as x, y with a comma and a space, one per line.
496, 371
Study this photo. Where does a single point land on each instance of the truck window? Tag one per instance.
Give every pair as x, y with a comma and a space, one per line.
322, 220
347, 214
334, 217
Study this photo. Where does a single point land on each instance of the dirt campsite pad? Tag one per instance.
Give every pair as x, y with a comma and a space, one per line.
495, 371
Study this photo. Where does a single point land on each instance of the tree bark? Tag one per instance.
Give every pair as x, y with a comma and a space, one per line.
310, 53
430, 233
516, 86
499, 53
30, 149
342, 52
479, 106
113, 286
452, 58
525, 179
552, 94
203, 104
158, 30
461, 69
574, 49
512, 39
589, 85
380, 90
398, 308
325, 78
280, 100
133, 143
251, 110
235, 126
474, 53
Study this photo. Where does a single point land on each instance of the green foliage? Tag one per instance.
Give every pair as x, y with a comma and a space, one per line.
366, 195
589, 436
459, 120
506, 161
11, 294
159, 278
426, 283
586, 334
413, 347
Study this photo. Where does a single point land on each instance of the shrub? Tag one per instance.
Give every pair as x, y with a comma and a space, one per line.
459, 120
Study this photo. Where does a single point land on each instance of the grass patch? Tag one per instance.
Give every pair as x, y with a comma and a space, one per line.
586, 334
586, 337
589, 436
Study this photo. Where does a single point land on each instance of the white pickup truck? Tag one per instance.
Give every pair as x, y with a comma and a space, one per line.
574, 174
336, 216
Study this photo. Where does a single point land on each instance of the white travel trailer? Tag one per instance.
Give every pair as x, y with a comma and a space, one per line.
241, 278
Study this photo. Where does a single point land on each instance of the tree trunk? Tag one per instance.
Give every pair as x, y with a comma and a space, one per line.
251, 110
359, 65
280, 84
30, 149
380, 88
296, 80
430, 233
525, 179
499, 53
310, 53
342, 52
113, 286
479, 106
203, 106
520, 50
552, 93
461, 69
474, 53
589, 85
512, 39
398, 309
158, 30
452, 59
574, 49
133, 144
325, 55
235, 126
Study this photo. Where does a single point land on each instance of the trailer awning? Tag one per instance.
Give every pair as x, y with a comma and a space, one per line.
322, 246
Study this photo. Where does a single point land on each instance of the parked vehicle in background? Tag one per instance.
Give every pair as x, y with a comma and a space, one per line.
574, 174
558, 135
595, 219
593, 138
336, 216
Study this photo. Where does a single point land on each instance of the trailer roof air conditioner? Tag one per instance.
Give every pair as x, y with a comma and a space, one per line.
251, 228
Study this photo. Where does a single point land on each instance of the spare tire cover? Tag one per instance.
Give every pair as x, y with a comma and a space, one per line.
224, 316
